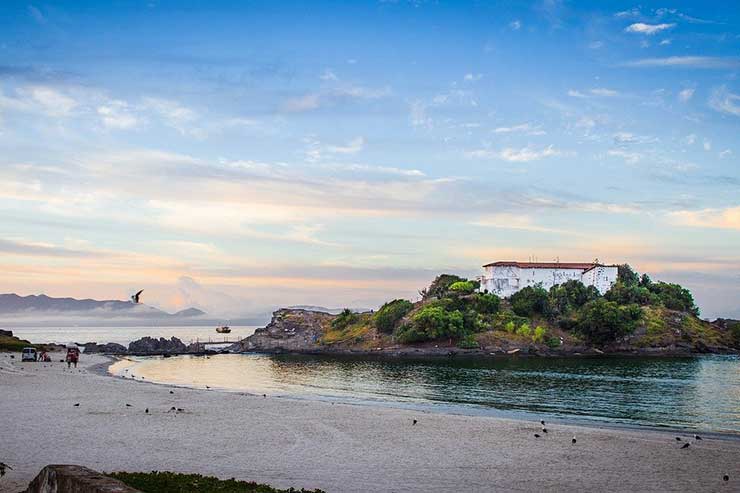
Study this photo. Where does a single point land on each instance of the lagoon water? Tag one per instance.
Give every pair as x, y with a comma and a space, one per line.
701, 393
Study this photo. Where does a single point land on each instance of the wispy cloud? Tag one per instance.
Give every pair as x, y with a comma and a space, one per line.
649, 29
515, 25
725, 101
727, 218
515, 155
524, 128
705, 62
686, 94
595, 92
315, 100
352, 147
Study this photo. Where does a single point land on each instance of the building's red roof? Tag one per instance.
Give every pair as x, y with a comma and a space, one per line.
545, 265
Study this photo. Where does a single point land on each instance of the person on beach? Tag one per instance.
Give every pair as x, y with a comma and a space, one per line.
73, 355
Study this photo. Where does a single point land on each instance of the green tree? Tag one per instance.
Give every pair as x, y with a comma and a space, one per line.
530, 301
674, 297
462, 287
346, 318
390, 314
569, 296
627, 275
486, 303
440, 286
601, 321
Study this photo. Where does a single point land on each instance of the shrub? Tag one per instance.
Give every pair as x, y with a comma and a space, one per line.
553, 342
433, 322
530, 301
462, 287
468, 342
510, 327
625, 294
524, 330
603, 321
486, 303
390, 314
440, 286
170, 482
539, 334
674, 297
571, 295
626, 275
344, 319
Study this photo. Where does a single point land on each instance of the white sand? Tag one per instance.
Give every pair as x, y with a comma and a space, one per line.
287, 442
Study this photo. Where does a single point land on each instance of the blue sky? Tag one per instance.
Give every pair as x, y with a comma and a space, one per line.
243, 155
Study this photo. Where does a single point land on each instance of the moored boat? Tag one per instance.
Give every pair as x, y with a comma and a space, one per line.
224, 329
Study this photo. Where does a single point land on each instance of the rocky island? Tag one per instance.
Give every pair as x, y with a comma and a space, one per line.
636, 316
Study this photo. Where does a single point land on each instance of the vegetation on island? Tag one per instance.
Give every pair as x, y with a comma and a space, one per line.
170, 482
635, 311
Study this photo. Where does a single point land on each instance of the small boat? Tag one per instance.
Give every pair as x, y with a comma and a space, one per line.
224, 329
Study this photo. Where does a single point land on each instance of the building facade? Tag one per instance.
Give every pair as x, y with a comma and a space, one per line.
506, 278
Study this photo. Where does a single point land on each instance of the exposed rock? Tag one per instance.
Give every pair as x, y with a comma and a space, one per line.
77, 479
110, 348
150, 345
289, 330
6, 333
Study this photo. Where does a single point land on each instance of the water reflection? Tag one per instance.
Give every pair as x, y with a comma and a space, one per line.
701, 393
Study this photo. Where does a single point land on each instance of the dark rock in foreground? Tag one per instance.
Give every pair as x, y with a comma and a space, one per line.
150, 345
289, 330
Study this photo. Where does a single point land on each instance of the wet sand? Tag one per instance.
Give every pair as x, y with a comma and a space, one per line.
337, 447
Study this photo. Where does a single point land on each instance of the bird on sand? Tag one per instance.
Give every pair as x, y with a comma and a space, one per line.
264, 396
208, 387
135, 297
77, 405
414, 422
536, 435
573, 441
179, 409
697, 437
146, 411
544, 430
686, 445
542, 422
171, 392
4, 466
725, 477
678, 439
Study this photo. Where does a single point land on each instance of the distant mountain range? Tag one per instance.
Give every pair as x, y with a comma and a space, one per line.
14, 304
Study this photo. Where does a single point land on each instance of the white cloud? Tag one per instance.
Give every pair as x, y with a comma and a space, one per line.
117, 114
36, 14
665, 42
576, 94
521, 155
725, 153
707, 145
418, 114
595, 45
633, 12
307, 102
600, 91
524, 128
686, 94
725, 102
727, 218
707, 62
629, 157
470, 77
515, 24
690, 139
173, 114
352, 147
623, 139
328, 75
649, 29
48, 100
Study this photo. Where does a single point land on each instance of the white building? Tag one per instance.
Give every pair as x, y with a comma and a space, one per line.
506, 278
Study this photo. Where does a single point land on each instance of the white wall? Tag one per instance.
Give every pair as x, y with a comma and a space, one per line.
507, 280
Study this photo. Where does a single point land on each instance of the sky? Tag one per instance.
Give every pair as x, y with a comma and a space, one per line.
243, 155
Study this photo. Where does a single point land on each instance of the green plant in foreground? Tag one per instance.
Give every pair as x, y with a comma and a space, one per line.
539, 334
170, 482
524, 330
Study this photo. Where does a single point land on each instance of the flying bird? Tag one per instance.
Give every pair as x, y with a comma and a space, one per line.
686, 445
4, 466
135, 297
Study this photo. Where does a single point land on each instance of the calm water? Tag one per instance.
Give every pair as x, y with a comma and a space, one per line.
701, 393
124, 335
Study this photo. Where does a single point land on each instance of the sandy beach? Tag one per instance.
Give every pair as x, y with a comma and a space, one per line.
336, 447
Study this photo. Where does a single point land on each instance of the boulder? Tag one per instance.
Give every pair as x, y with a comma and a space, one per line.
110, 348
289, 330
75, 479
151, 345
6, 333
